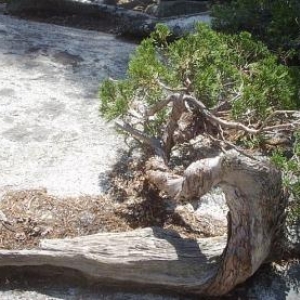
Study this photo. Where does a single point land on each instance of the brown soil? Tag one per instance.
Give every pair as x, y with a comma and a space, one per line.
30, 215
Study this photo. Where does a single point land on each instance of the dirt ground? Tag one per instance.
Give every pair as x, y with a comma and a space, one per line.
30, 215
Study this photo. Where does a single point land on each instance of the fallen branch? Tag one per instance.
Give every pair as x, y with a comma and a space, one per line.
149, 257
158, 258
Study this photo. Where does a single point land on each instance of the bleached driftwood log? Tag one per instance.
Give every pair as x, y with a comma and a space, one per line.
162, 259
150, 256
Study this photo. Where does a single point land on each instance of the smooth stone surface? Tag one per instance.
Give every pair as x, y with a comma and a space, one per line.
51, 134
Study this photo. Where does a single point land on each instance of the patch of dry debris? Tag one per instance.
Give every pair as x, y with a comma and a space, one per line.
31, 215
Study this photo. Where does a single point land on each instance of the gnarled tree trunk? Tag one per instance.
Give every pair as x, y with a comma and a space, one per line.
256, 202
162, 259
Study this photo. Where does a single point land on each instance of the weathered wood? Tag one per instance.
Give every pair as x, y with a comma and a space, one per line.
162, 259
256, 201
151, 256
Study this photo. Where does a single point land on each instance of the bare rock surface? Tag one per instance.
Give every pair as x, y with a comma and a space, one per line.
51, 134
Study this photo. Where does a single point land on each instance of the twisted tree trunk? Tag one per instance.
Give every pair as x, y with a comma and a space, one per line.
256, 202
162, 259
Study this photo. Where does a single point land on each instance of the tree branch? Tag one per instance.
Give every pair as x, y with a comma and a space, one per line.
204, 110
152, 110
142, 137
170, 89
239, 126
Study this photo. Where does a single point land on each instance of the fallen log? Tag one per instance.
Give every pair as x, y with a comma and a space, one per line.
154, 257
150, 256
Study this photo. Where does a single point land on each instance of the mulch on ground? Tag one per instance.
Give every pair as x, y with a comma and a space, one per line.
30, 215
33, 214
129, 203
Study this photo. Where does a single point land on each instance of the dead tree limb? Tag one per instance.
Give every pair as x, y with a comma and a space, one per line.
162, 259
256, 201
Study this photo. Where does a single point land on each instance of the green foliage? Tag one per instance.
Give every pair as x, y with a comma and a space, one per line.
115, 98
219, 67
214, 67
291, 172
275, 22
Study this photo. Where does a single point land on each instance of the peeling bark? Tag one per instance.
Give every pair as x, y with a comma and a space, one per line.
256, 201
158, 258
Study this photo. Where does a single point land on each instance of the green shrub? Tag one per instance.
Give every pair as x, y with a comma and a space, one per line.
219, 67
276, 22
215, 68
291, 173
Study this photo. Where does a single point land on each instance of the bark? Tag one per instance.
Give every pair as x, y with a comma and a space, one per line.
153, 257
150, 256
256, 201
178, 108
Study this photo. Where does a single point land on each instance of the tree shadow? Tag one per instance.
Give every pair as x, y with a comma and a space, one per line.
69, 284
265, 284
140, 203
141, 206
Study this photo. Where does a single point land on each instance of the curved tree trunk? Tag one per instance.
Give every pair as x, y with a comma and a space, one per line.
256, 201
162, 259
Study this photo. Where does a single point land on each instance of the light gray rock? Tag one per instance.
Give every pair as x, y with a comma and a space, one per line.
51, 134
